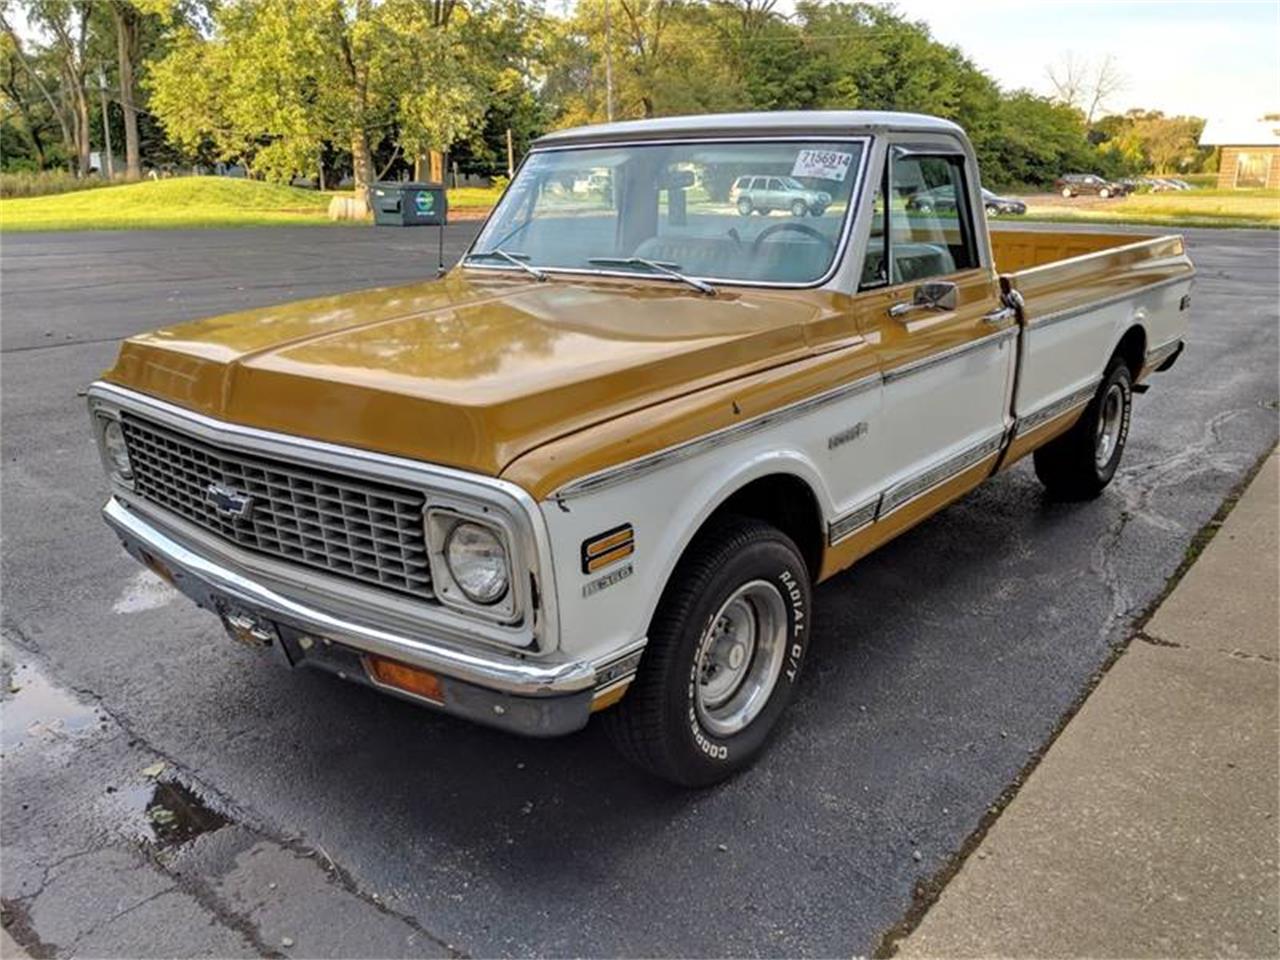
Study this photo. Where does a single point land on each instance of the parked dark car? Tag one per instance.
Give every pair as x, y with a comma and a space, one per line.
1088, 184
943, 198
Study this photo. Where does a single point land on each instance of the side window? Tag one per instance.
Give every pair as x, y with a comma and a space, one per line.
930, 221
775, 183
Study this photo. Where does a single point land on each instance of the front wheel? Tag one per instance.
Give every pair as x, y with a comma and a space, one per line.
993, 211
725, 651
1079, 464
1104, 193
744, 206
1066, 192
799, 208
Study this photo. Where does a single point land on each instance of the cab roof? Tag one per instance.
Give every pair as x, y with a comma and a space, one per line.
780, 123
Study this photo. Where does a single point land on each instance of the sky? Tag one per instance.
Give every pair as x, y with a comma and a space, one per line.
1209, 59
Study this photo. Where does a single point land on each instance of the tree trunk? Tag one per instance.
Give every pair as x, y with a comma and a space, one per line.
361, 165
126, 46
82, 132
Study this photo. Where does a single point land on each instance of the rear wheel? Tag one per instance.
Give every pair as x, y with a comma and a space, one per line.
1066, 192
744, 206
1079, 464
992, 210
725, 651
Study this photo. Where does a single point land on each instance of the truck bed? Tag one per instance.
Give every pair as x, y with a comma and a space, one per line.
1082, 294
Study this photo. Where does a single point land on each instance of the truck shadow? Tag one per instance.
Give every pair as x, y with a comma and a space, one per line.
938, 665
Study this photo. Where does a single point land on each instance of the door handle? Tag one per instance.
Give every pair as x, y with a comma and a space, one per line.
1001, 315
933, 295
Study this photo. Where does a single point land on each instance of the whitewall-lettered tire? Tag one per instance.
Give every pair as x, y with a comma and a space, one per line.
725, 652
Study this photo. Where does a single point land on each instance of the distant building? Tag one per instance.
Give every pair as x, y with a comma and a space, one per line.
1250, 156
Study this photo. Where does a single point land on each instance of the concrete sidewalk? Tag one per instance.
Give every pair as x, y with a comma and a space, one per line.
1150, 828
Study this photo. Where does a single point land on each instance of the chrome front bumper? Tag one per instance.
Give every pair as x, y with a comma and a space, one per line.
536, 698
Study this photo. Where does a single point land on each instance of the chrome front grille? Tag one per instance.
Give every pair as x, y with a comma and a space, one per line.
345, 525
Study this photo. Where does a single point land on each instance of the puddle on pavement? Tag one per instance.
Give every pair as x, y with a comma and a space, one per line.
168, 814
35, 709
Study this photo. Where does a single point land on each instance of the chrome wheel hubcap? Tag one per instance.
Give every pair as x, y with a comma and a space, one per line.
1110, 420
740, 657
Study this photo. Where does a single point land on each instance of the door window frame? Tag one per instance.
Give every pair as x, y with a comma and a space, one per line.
965, 218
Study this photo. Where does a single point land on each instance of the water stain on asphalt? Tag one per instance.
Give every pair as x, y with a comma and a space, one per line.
35, 709
144, 591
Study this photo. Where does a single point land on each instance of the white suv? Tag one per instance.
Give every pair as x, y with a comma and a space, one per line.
766, 194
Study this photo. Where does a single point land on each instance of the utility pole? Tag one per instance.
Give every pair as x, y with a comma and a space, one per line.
106, 123
608, 65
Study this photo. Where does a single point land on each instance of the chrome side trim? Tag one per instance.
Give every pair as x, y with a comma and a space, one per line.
619, 666
837, 259
1055, 408
1051, 318
201, 578
531, 545
1158, 355
641, 465
1133, 245
952, 353
853, 521
900, 494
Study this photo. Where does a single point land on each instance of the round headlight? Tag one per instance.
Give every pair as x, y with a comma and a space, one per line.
478, 562
117, 452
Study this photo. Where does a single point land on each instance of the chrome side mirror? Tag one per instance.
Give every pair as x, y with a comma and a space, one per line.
930, 295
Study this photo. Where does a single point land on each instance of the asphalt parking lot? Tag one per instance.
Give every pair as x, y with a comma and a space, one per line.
167, 792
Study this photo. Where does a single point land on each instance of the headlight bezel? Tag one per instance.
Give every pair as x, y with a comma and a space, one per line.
441, 519
103, 421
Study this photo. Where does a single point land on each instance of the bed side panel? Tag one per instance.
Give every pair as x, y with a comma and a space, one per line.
1074, 314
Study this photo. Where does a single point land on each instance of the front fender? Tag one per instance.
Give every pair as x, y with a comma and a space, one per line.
603, 610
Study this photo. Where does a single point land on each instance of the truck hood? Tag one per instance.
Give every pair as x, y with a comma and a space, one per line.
469, 371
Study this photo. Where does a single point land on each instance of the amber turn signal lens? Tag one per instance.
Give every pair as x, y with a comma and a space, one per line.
401, 676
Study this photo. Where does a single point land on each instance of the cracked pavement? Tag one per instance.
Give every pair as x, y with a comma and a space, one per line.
311, 817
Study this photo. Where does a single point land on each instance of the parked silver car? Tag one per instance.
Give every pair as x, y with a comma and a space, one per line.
761, 194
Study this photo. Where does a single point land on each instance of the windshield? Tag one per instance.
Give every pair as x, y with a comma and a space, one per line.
752, 211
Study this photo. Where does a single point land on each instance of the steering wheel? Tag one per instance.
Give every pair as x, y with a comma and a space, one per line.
807, 230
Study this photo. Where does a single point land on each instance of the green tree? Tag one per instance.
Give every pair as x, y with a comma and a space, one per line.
278, 80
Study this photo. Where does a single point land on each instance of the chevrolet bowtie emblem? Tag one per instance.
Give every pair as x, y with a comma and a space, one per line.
228, 502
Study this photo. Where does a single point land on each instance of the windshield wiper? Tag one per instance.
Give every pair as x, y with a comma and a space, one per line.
667, 269
512, 257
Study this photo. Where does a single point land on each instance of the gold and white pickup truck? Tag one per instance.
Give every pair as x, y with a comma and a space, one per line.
600, 464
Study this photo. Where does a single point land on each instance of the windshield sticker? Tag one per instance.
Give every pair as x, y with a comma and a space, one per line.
822, 165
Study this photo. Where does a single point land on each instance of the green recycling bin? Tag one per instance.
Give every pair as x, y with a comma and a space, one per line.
408, 204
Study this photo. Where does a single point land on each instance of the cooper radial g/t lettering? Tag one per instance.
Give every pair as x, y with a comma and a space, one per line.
689, 368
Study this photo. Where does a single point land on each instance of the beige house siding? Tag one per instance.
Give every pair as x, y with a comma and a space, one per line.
1261, 166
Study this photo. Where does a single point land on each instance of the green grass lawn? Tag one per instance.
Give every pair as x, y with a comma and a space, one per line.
1190, 208
189, 202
